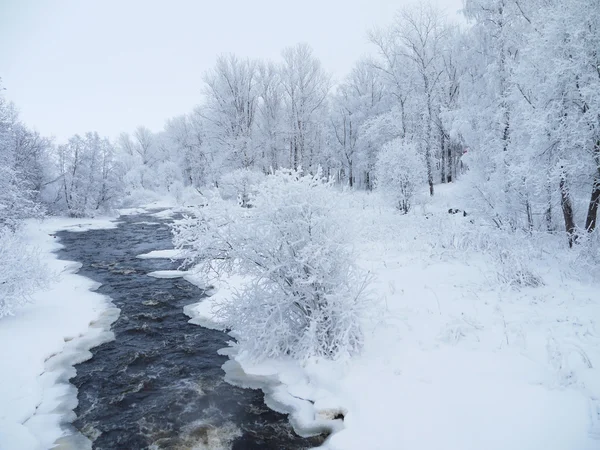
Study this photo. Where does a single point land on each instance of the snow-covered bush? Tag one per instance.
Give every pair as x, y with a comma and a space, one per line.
240, 184
400, 170
514, 254
16, 201
21, 272
304, 294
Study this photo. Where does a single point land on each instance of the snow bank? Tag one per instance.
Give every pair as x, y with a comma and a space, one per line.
457, 357
164, 254
205, 312
167, 274
40, 345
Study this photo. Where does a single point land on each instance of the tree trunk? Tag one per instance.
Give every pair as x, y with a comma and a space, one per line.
428, 134
592, 215
567, 208
443, 161
529, 215
590, 222
350, 174
450, 161
548, 212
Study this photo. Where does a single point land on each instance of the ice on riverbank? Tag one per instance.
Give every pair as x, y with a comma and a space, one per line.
189, 276
163, 254
206, 312
167, 274
40, 344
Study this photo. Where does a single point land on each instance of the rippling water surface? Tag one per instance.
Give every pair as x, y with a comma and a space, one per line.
159, 384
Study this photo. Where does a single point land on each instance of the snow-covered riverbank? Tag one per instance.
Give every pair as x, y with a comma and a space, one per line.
456, 355
42, 342
468, 349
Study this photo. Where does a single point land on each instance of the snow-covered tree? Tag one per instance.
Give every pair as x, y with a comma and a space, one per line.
400, 171
89, 178
484, 114
358, 98
270, 117
304, 294
411, 59
22, 174
186, 136
305, 86
229, 113
556, 86
240, 184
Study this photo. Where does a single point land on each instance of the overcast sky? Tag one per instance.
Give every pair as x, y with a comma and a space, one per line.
73, 66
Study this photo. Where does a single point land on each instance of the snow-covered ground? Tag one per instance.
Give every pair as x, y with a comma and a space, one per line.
40, 344
43, 340
458, 354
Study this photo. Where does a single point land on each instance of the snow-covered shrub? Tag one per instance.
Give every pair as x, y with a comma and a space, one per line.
21, 272
400, 170
240, 184
304, 293
513, 252
16, 201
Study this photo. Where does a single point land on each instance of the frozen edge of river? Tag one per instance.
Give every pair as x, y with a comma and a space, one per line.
47, 338
284, 384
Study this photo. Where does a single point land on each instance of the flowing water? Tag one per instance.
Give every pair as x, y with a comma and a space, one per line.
159, 384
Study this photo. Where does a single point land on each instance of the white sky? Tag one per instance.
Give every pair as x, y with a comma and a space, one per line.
73, 66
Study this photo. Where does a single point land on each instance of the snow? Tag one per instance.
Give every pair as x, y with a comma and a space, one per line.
40, 344
189, 276
205, 312
165, 254
163, 203
455, 356
167, 274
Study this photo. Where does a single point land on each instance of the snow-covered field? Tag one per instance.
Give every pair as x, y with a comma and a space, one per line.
40, 344
458, 354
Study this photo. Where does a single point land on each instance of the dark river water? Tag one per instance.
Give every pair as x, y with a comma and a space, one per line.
159, 384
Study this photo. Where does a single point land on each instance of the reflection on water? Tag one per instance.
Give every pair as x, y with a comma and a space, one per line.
159, 384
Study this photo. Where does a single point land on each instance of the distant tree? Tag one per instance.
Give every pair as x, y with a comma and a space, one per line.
400, 170
356, 100
187, 136
305, 86
270, 117
240, 184
89, 179
229, 114
411, 58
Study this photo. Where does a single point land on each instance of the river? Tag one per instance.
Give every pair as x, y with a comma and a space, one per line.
159, 384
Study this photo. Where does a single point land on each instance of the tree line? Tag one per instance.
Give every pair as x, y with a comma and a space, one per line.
510, 102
